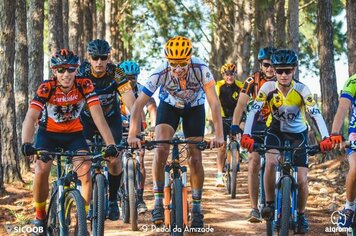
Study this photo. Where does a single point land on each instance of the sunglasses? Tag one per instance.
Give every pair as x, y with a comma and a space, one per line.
287, 71
97, 57
229, 73
265, 64
62, 70
176, 64
131, 77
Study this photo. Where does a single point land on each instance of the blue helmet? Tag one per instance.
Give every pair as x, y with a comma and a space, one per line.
130, 67
265, 53
284, 57
64, 57
98, 47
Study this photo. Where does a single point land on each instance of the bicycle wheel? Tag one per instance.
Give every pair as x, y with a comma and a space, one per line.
177, 209
228, 177
125, 205
234, 169
132, 195
286, 205
75, 217
97, 223
52, 221
269, 227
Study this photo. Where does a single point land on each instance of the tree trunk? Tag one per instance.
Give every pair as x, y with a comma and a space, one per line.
280, 24
329, 95
223, 36
75, 26
351, 35
65, 15
100, 33
95, 24
35, 42
55, 26
115, 30
21, 76
87, 9
293, 28
108, 21
9, 151
264, 27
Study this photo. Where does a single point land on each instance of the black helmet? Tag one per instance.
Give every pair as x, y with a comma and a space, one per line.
64, 57
265, 53
284, 57
98, 47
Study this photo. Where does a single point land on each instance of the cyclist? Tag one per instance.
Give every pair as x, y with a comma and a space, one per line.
249, 92
57, 104
347, 101
132, 70
228, 90
287, 100
182, 80
108, 82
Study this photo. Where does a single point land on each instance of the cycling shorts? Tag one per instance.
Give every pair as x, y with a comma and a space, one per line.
52, 141
277, 138
258, 132
226, 126
193, 118
114, 122
352, 137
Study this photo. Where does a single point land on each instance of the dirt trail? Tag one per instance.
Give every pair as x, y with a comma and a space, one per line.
223, 215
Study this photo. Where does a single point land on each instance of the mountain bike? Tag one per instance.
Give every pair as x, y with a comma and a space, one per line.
175, 185
286, 191
131, 183
232, 164
99, 177
352, 145
66, 211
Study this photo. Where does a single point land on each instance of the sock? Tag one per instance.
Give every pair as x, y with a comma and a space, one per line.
350, 205
86, 209
270, 204
158, 187
40, 210
114, 185
219, 175
196, 203
140, 194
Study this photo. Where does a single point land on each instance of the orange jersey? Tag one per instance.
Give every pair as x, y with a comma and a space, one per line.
60, 111
251, 87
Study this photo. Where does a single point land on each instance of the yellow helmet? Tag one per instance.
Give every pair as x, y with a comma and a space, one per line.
178, 49
228, 67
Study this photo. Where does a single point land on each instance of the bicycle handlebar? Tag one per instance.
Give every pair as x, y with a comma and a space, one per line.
46, 156
312, 150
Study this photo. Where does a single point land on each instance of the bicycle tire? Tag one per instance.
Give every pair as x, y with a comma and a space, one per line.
261, 192
72, 199
125, 207
234, 169
52, 220
269, 227
177, 209
98, 205
228, 178
286, 206
132, 195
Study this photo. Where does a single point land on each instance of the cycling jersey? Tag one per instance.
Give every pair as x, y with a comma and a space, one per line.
228, 95
60, 111
251, 87
185, 93
107, 87
349, 92
287, 113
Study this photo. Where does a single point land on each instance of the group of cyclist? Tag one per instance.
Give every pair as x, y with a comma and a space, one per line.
80, 100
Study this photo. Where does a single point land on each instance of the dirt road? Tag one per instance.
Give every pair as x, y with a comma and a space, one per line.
223, 216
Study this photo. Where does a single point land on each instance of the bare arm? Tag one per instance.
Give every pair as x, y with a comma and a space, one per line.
136, 113
240, 107
342, 110
100, 122
215, 106
28, 125
129, 99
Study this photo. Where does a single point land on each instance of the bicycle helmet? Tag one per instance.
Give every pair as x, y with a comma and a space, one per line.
98, 47
265, 53
284, 58
228, 67
64, 57
130, 67
178, 49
